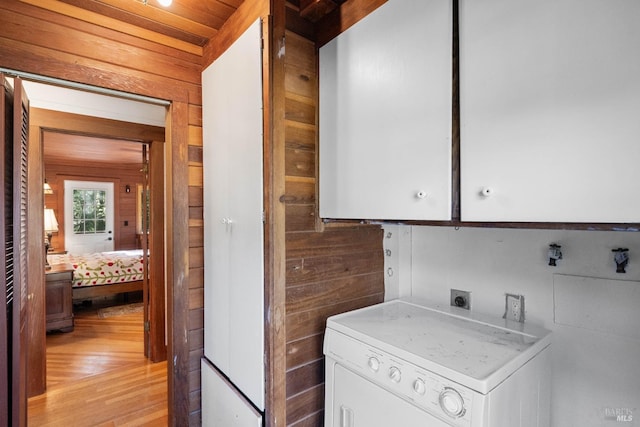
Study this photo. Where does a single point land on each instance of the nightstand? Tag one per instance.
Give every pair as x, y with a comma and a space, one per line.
58, 297
54, 252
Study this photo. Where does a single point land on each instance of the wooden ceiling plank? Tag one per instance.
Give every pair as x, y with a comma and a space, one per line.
233, 3
138, 21
97, 19
162, 16
211, 13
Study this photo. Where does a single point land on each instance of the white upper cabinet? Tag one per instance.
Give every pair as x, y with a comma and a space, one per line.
550, 110
385, 115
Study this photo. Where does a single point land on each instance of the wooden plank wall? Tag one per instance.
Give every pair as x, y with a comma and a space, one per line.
124, 236
329, 270
43, 42
196, 263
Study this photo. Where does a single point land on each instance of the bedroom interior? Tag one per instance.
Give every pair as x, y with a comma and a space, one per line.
98, 273
106, 278
88, 148
119, 163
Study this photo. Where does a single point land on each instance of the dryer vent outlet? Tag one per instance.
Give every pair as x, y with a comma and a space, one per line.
461, 299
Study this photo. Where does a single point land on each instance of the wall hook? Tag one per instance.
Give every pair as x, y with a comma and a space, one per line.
554, 254
621, 257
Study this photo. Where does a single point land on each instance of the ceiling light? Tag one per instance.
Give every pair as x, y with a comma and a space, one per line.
165, 3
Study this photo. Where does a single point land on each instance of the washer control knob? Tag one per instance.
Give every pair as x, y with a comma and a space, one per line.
452, 403
394, 374
419, 386
374, 364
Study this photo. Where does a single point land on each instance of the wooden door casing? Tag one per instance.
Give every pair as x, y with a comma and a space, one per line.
66, 122
156, 246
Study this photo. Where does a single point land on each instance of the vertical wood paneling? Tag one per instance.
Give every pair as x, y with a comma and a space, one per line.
43, 42
275, 331
328, 272
196, 263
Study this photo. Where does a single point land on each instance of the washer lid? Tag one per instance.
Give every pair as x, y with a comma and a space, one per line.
478, 352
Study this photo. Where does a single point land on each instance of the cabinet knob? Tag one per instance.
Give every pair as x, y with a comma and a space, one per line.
487, 191
421, 194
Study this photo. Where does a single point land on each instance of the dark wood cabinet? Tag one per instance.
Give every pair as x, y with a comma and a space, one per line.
59, 299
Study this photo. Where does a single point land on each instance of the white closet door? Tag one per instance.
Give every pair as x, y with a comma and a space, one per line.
550, 95
233, 212
385, 115
222, 406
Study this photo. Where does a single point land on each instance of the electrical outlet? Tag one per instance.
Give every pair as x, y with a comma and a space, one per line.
514, 307
461, 299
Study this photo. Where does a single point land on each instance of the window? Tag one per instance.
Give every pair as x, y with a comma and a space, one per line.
89, 211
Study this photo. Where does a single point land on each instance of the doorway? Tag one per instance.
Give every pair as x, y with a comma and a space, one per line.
153, 136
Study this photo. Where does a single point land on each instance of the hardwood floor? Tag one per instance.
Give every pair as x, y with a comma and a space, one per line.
97, 375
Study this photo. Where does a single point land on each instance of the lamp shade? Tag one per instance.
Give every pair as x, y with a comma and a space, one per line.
50, 221
47, 188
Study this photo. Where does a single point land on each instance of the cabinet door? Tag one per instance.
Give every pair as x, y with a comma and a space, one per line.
550, 95
233, 212
222, 405
385, 115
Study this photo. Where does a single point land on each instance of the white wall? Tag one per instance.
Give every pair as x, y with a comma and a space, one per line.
74, 101
596, 361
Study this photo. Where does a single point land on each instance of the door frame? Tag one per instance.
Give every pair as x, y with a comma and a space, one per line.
40, 120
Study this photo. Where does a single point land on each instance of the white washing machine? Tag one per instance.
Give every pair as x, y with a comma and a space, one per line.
406, 363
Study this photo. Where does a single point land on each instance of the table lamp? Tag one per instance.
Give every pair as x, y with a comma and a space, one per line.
50, 227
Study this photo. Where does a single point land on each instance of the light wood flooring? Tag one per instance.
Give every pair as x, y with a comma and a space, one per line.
97, 375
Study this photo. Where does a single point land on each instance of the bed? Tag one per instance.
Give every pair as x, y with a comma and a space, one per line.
103, 273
